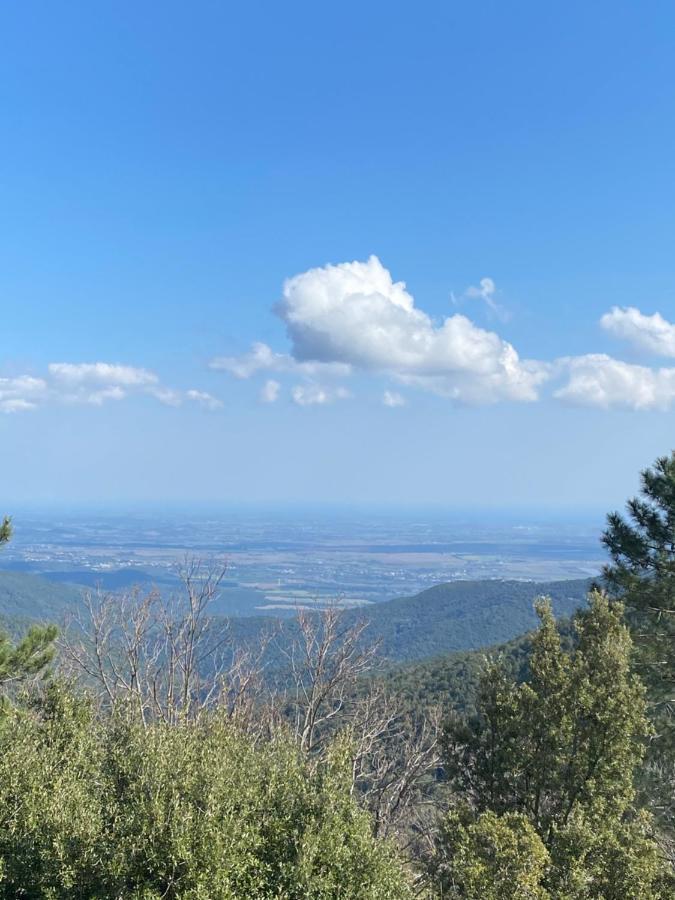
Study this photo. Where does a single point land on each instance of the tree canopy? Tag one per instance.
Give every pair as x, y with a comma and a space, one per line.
557, 754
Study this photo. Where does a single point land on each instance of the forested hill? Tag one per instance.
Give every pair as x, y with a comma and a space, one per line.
460, 615
451, 680
30, 597
464, 615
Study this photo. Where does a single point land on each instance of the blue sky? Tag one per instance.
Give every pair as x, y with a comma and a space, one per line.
181, 182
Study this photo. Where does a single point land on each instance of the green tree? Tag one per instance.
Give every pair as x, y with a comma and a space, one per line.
561, 750
642, 572
642, 575
33, 653
27, 658
491, 857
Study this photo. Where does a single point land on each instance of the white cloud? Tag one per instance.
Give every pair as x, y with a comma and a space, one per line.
269, 393
354, 314
16, 404
393, 399
600, 381
262, 358
166, 396
353, 317
652, 333
486, 290
96, 383
204, 399
101, 373
317, 395
98, 398
92, 384
21, 393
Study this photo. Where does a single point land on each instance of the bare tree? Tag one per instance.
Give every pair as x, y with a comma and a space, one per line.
326, 658
394, 754
163, 656
168, 660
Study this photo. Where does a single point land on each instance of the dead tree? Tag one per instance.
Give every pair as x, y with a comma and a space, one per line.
396, 756
331, 690
326, 658
162, 656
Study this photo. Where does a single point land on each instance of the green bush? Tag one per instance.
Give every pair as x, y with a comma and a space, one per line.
110, 809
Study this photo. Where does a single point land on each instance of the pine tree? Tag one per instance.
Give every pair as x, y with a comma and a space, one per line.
642, 573
33, 653
27, 658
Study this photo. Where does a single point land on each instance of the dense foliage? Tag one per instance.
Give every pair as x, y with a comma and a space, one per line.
547, 766
464, 615
101, 808
28, 657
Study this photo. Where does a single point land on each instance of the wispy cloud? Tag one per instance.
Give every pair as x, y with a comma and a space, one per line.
269, 392
317, 395
486, 290
100, 373
393, 399
261, 358
204, 399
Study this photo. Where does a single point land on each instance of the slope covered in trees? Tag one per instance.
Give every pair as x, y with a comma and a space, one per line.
31, 597
459, 615
463, 615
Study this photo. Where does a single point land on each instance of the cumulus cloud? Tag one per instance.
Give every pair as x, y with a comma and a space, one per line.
393, 399
651, 333
355, 314
92, 384
269, 393
353, 318
598, 380
317, 395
